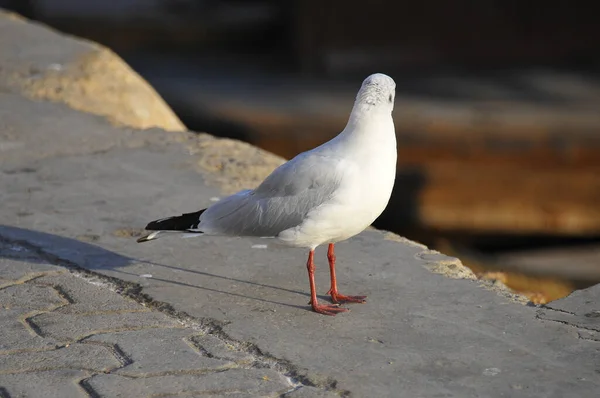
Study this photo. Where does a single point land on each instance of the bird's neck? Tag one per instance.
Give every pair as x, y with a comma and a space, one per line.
365, 116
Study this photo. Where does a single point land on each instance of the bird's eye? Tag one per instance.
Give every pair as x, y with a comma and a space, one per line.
390, 98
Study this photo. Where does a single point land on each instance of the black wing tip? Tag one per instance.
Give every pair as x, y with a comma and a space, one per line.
183, 222
156, 224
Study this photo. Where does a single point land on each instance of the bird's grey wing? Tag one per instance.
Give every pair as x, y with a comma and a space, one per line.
281, 202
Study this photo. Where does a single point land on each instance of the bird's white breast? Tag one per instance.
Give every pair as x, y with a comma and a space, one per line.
370, 184
367, 169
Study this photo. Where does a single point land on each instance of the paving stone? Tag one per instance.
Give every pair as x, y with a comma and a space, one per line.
16, 303
49, 384
70, 327
30, 297
86, 297
91, 357
160, 350
254, 382
217, 348
16, 336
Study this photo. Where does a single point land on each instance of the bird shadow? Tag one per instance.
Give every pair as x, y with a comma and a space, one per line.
44, 248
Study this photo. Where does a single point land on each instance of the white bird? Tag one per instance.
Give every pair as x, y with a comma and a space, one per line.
324, 195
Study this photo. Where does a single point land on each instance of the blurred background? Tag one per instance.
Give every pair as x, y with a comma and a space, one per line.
497, 109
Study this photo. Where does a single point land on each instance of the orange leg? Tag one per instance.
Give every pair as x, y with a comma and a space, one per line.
335, 296
321, 309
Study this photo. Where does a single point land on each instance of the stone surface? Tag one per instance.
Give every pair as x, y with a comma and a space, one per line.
59, 331
95, 358
243, 383
74, 326
50, 384
581, 310
30, 298
86, 299
216, 348
310, 392
75, 193
17, 336
161, 351
45, 64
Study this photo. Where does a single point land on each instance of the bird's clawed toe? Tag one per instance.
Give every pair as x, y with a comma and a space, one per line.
327, 309
340, 298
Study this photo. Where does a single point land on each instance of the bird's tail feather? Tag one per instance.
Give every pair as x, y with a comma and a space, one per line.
187, 222
151, 236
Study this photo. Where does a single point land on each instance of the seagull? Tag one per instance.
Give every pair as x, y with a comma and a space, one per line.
322, 196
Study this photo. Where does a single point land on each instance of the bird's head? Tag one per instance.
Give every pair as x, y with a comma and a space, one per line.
377, 91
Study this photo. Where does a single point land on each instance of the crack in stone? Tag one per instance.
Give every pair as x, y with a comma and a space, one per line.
82, 337
547, 307
193, 342
112, 312
44, 369
25, 279
297, 388
587, 339
540, 318
121, 356
32, 327
115, 350
193, 372
87, 388
63, 293
85, 385
22, 350
27, 319
210, 393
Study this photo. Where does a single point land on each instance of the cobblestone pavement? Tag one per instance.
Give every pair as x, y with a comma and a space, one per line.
70, 333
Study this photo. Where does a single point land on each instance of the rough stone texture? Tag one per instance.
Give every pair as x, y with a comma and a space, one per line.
50, 384
17, 336
216, 348
75, 190
86, 299
231, 164
45, 64
161, 351
20, 300
95, 358
75, 326
310, 392
243, 383
30, 298
59, 331
580, 310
